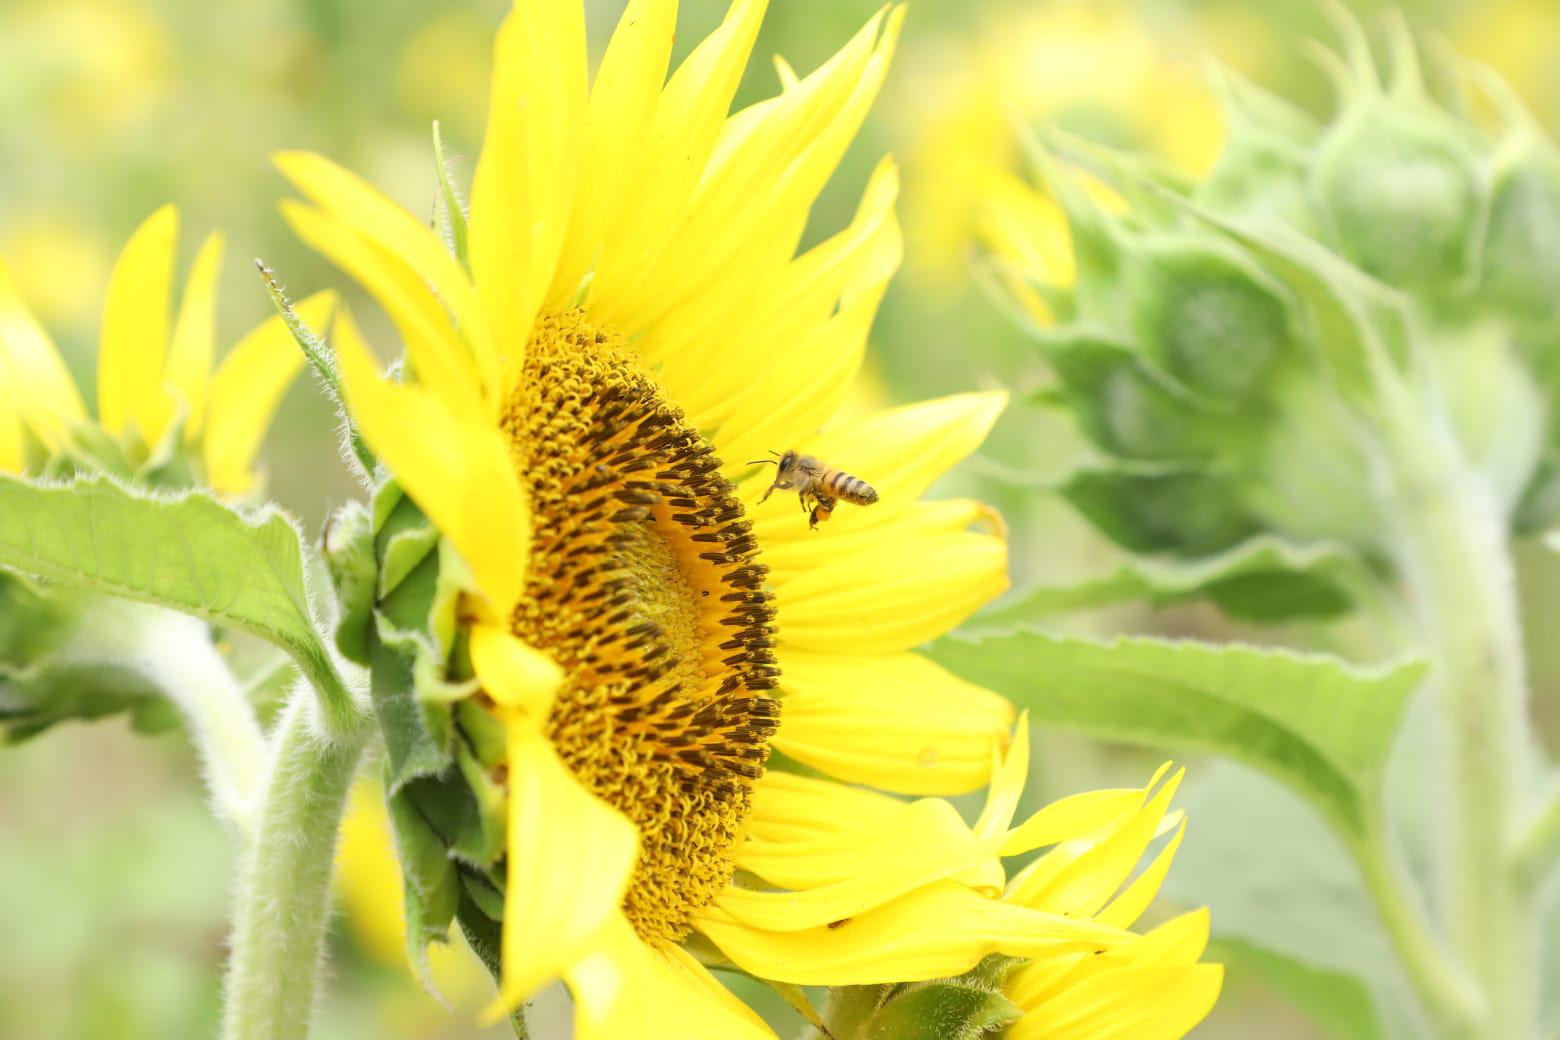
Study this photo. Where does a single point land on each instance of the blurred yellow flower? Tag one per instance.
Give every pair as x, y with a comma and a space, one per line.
157, 391
51, 260
444, 66
95, 63
1093, 63
1517, 38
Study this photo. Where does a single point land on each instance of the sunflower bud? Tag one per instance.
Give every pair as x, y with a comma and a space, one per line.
1206, 315
1521, 258
1400, 187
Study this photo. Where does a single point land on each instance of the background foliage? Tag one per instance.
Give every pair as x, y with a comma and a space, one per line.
109, 108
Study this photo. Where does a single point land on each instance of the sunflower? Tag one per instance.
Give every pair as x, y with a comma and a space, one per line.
168, 416
592, 355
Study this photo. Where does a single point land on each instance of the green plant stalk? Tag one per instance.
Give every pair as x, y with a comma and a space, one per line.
1538, 849
175, 652
1445, 990
282, 904
1450, 540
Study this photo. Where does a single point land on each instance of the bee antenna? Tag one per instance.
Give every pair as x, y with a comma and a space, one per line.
760, 462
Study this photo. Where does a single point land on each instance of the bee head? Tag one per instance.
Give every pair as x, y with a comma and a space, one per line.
786, 464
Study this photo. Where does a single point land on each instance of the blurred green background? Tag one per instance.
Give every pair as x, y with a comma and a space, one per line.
113, 878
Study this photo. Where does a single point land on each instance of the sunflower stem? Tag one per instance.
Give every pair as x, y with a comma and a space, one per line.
175, 652
1451, 548
1443, 987
283, 900
1538, 849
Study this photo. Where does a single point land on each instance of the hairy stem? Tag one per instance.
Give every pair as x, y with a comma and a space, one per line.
1538, 849
175, 654
282, 904
1451, 548
1446, 992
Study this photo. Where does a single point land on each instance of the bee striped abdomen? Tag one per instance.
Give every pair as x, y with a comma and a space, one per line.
851, 489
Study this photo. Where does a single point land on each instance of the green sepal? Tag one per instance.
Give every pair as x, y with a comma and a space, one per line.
1519, 262
1190, 512
1096, 235
485, 936
484, 732
431, 882
1264, 579
486, 844
946, 1009
418, 735
1122, 402
485, 895
452, 209
349, 555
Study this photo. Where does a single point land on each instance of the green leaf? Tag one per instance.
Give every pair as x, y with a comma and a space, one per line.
1289, 905
187, 552
1338, 1002
1264, 579
949, 1009
1319, 725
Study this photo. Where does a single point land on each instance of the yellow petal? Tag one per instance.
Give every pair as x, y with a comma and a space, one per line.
622, 989
360, 206
514, 674
689, 116
134, 343
190, 352
523, 189
781, 404
1179, 941
1009, 773
570, 860
618, 126
1148, 1003
787, 807
942, 929
456, 467
1088, 882
878, 851
899, 861
246, 389
434, 349
46, 397
896, 721
1126, 908
746, 216
873, 602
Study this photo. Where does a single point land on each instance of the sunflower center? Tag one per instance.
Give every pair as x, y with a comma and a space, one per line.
643, 586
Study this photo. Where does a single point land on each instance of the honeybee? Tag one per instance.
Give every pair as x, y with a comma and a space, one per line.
823, 485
